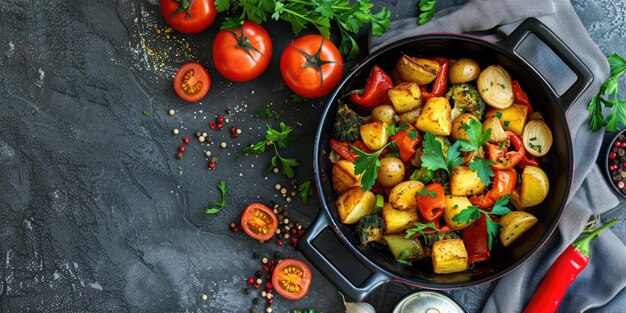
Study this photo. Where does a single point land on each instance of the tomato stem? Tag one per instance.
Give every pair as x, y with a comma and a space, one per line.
243, 42
183, 6
315, 60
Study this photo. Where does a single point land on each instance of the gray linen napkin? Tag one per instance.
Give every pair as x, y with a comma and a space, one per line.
605, 276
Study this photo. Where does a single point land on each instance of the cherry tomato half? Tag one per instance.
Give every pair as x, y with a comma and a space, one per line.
242, 54
192, 82
291, 278
189, 16
259, 221
311, 66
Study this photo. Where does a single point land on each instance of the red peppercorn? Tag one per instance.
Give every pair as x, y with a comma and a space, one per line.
617, 144
233, 129
227, 111
301, 232
220, 119
181, 148
279, 242
269, 285
270, 300
219, 126
272, 261
251, 280
294, 231
234, 135
256, 286
212, 124
266, 268
612, 155
236, 229
211, 165
268, 277
620, 185
294, 241
186, 140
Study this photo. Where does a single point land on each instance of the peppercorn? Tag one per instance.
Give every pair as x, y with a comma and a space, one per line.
181, 148
255, 255
612, 155
198, 133
186, 140
211, 165
294, 241
219, 126
258, 274
277, 255
269, 301
251, 280
175, 131
228, 111
264, 260
171, 112
179, 155
269, 285
252, 310
220, 119
212, 124
246, 290
256, 301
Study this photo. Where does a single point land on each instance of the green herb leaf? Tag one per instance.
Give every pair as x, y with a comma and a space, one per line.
298, 98
425, 192
222, 5
493, 229
217, 206
499, 208
266, 112
305, 191
419, 228
258, 147
427, 11
434, 159
477, 137
499, 115
467, 215
367, 164
278, 138
146, 113
287, 165
482, 169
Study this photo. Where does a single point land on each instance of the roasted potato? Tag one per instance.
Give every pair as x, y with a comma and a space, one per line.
454, 205
435, 117
465, 182
390, 172
417, 70
344, 177
374, 135
535, 186
397, 221
512, 118
514, 224
458, 132
409, 117
495, 87
355, 203
463, 71
405, 97
449, 256
384, 113
402, 196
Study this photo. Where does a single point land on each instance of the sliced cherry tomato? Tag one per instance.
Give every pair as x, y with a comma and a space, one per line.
506, 159
189, 16
259, 221
291, 278
431, 202
192, 82
242, 54
311, 66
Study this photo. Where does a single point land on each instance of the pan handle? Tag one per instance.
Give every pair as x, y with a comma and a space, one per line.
584, 75
348, 275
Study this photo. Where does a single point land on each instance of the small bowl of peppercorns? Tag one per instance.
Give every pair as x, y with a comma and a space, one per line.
615, 165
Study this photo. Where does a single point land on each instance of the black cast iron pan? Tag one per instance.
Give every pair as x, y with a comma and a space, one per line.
356, 270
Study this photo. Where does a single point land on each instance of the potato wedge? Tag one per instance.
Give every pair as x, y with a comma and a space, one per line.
435, 117
398, 221
512, 118
465, 182
403, 195
417, 70
458, 132
495, 87
409, 117
374, 134
454, 205
514, 224
449, 256
354, 204
405, 97
535, 186
343, 177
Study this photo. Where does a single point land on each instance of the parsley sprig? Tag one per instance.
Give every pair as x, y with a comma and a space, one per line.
217, 206
427, 11
279, 139
367, 164
349, 17
419, 228
477, 138
607, 97
305, 191
434, 159
472, 213
266, 112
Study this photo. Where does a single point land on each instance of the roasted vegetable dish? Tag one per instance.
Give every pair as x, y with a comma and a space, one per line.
439, 162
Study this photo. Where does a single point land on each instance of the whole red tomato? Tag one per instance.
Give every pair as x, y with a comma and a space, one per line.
189, 16
242, 54
311, 66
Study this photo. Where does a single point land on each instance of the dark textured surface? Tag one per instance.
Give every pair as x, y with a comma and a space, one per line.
96, 214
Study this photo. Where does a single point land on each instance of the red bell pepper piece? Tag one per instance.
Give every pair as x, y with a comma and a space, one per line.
506, 159
407, 141
520, 97
375, 92
441, 81
527, 160
476, 241
345, 151
562, 273
504, 182
431, 207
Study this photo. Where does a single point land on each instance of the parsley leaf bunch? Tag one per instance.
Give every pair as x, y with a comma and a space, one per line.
477, 138
472, 213
607, 97
434, 159
349, 17
305, 191
279, 139
368, 164
419, 228
427, 11
217, 206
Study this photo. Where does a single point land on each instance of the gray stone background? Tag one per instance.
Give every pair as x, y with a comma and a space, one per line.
96, 214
